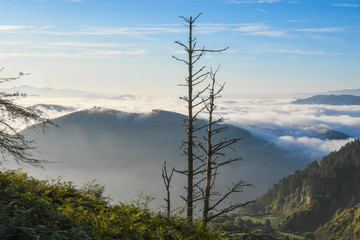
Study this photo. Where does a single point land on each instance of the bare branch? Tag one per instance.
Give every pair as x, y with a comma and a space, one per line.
181, 60
183, 45
237, 187
229, 209
211, 50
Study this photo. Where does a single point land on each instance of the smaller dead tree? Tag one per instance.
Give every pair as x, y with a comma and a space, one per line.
167, 180
215, 204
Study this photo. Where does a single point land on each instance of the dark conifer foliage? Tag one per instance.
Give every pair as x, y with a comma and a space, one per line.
310, 198
12, 143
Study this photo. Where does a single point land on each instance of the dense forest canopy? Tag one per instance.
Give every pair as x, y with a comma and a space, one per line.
310, 198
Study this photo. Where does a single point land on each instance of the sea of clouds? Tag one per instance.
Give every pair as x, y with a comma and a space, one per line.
293, 127
296, 128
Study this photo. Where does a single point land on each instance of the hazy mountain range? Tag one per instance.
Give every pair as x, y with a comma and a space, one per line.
72, 93
355, 92
125, 151
64, 93
330, 100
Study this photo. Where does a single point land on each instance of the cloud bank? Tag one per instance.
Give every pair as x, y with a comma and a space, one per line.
302, 129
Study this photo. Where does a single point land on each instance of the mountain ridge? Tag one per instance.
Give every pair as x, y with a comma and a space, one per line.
330, 100
119, 144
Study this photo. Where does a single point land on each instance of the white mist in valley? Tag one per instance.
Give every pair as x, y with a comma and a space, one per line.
277, 120
303, 131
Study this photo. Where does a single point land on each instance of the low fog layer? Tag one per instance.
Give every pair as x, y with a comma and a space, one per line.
281, 137
310, 130
125, 151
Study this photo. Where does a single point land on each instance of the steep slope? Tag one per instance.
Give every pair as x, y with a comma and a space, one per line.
126, 150
344, 225
330, 100
310, 198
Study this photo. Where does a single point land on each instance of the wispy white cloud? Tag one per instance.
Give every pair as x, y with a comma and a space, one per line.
128, 30
319, 37
298, 20
14, 27
260, 29
348, 5
261, 10
252, 28
46, 27
93, 30
268, 33
297, 51
116, 53
252, 1
321, 30
82, 44
84, 54
207, 28
68, 45
288, 49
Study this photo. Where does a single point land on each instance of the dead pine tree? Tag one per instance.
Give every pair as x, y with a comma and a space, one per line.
167, 181
215, 151
194, 104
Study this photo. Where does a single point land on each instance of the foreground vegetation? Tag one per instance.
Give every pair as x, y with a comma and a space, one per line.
320, 202
33, 209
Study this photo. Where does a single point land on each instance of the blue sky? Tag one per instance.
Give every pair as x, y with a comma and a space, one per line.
125, 47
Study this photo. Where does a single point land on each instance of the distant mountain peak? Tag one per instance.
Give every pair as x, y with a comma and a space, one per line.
56, 93
330, 100
355, 92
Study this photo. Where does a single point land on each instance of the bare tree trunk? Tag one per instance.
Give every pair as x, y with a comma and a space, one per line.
194, 102
214, 152
209, 155
190, 128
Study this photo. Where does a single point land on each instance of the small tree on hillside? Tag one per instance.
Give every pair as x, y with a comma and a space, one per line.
167, 181
194, 106
12, 143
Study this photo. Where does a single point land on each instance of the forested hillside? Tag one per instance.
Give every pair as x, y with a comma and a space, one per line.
321, 192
